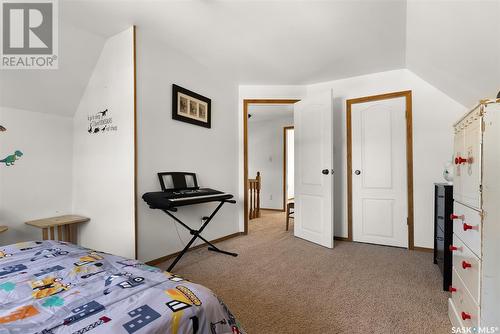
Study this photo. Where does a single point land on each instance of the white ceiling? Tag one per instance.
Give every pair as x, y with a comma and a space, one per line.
272, 42
455, 45
269, 112
265, 42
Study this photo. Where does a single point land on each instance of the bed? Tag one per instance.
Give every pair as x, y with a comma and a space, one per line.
56, 287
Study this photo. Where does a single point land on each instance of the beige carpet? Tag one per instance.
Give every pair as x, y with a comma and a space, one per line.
282, 284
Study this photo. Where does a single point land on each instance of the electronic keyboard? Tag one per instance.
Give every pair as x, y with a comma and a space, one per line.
192, 192
181, 189
168, 200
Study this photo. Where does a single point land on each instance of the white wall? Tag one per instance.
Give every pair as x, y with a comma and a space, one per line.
433, 116
290, 166
39, 184
265, 154
455, 46
168, 145
103, 184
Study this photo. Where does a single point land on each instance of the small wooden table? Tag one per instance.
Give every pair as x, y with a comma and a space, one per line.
66, 227
3, 228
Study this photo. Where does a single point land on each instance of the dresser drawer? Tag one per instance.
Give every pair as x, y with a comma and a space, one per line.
467, 225
465, 306
455, 319
468, 266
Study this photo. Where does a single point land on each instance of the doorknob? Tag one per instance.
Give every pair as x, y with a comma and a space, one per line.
325, 171
357, 172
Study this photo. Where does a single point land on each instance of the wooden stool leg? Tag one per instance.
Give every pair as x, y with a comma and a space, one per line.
59, 233
45, 233
67, 233
52, 233
73, 230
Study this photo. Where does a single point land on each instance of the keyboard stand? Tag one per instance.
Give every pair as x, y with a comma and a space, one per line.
197, 233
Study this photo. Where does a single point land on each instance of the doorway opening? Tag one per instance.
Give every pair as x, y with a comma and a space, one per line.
288, 164
379, 183
264, 161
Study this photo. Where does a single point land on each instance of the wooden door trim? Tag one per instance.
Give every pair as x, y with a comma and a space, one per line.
409, 157
285, 170
134, 50
246, 103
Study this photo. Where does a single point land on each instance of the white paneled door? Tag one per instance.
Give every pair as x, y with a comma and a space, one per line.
313, 123
379, 184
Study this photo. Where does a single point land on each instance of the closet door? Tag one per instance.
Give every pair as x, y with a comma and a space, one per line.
471, 170
379, 180
458, 149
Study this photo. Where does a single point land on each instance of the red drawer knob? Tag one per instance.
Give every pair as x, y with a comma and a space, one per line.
452, 289
460, 160
454, 216
453, 248
467, 227
465, 316
466, 264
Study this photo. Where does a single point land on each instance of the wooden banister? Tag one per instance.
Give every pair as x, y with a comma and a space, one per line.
254, 186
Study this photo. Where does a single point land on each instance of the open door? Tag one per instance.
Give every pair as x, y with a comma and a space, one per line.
313, 121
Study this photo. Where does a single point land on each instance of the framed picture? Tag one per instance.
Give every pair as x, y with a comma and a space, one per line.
189, 107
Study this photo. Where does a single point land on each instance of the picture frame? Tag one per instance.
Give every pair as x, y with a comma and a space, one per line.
191, 107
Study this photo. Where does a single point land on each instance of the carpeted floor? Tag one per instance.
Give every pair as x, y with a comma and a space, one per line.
282, 284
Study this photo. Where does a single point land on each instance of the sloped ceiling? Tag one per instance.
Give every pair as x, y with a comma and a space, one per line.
54, 91
455, 45
266, 42
254, 42
452, 44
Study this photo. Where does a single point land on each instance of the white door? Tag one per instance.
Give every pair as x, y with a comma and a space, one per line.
379, 189
313, 123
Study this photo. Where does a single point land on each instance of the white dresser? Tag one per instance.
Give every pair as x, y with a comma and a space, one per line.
475, 291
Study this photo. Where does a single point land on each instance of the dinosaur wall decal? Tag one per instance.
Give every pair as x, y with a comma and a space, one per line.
10, 159
103, 113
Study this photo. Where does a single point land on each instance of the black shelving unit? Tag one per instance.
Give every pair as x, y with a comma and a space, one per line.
443, 230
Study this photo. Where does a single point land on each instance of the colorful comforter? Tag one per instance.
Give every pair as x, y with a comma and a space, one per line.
56, 287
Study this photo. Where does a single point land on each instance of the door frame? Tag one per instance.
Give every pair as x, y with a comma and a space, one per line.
409, 156
246, 103
285, 170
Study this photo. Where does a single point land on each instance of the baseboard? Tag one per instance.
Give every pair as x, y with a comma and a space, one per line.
418, 249
423, 249
173, 255
279, 210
